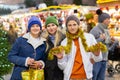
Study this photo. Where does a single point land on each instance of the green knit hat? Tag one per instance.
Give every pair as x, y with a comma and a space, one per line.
51, 19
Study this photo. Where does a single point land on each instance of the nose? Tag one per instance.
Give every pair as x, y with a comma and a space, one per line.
72, 26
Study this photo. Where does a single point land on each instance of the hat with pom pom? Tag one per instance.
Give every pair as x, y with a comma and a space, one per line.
102, 16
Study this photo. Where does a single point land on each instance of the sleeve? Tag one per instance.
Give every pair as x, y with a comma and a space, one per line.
62, 63
42, 63
13, 55
96, 34
95, 58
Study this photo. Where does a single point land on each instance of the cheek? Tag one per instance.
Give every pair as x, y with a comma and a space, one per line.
55, 28
69, 28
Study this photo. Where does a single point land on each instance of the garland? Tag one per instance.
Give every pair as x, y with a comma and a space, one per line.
67, 48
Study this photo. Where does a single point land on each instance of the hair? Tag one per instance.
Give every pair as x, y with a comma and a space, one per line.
12, 34
12, 30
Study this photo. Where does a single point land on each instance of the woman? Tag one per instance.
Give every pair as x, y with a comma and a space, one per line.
53, 38
28, 50
76, 52
12, 34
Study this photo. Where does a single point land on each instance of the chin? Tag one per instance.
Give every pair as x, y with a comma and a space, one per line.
73, 32
36, 33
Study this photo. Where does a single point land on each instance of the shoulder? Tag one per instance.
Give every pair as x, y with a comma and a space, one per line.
64, 42
21, 39
61, 33
95, 28
43, 39
89, 36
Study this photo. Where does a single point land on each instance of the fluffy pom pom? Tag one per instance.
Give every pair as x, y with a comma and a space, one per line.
99, 12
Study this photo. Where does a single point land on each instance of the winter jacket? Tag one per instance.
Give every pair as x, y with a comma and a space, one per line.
97, 31
22, 49
52, 71
67, 62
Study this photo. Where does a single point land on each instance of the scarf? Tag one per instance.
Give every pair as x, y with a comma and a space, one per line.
67, 48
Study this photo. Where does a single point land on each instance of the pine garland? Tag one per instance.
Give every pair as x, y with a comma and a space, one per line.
67, 48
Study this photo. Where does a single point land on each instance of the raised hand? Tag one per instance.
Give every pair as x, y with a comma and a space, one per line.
59, 55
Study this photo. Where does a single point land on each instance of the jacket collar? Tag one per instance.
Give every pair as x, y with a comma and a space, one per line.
102, 27
27, 36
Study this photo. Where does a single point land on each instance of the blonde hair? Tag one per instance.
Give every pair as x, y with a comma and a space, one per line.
45, 34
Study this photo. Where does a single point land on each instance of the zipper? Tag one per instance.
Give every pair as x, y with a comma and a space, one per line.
34, 54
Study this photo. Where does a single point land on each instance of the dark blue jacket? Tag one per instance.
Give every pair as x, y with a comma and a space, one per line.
20, 51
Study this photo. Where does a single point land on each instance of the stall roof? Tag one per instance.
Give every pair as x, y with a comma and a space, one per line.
105, 1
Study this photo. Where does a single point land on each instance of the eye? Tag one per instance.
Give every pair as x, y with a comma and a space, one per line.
37, 25
48, 25
74, 24
69, 25
53, 24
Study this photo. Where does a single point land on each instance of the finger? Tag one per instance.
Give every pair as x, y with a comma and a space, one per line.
33, 66
32, 60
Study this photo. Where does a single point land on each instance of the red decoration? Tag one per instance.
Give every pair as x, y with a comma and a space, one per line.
107, 8
116, 7
101, 8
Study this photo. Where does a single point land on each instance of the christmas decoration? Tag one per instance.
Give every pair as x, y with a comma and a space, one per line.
88, 16
116, 7
5, 65
67, 48
107, 8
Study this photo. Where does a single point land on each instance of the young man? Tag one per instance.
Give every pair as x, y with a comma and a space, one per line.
101, 34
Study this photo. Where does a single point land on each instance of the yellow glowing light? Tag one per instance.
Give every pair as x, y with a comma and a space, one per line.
105, 1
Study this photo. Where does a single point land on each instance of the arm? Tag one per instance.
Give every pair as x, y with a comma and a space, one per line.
98, 36
95, 57
14, 53
62, 57
62, 60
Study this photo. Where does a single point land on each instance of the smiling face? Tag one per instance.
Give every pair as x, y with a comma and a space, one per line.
35, 30
72, 27
51, 28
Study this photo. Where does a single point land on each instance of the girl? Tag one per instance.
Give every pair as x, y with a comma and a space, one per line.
28, 50
53, 38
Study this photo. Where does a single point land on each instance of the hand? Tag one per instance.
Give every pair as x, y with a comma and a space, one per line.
59, 55
30, 61
97, 53
92, 60
102, 36
36, 65
112, 39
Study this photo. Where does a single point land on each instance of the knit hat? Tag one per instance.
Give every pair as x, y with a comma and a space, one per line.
51, 19
72, 17
34, 20
102, 16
